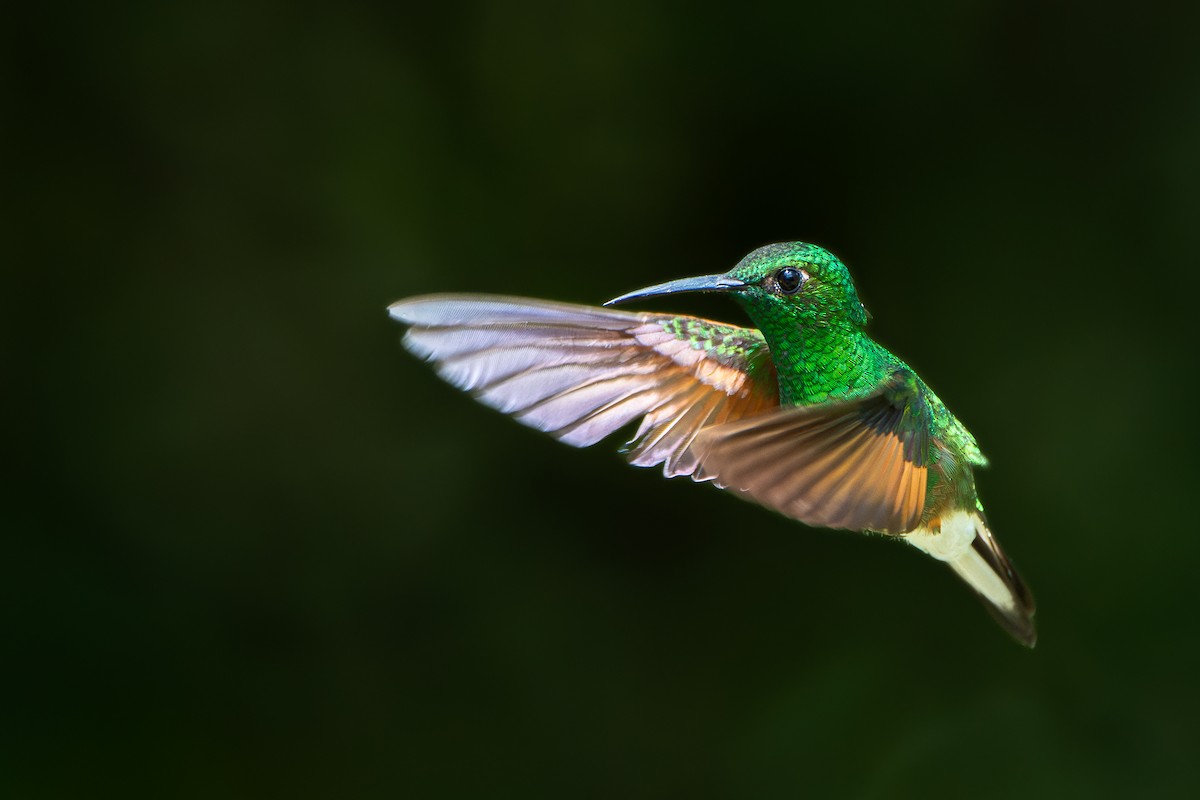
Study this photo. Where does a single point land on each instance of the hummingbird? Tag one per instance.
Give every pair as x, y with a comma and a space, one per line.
803, 413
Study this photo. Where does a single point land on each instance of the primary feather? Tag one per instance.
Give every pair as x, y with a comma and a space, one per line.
581, 373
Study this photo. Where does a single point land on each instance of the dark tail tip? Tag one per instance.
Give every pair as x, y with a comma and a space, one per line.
1018, 621
1019, 625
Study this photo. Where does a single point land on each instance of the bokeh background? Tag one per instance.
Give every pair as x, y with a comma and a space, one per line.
252, 548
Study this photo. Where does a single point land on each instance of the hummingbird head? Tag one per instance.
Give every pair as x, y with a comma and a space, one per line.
792, 280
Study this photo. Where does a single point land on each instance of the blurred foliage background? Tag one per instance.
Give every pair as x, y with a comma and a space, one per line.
252, 548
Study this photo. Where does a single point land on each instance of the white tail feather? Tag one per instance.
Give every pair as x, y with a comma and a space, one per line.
965, 543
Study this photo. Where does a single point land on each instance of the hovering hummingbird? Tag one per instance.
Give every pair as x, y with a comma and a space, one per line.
804, 413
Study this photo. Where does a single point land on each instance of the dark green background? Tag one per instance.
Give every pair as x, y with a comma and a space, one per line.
252, 548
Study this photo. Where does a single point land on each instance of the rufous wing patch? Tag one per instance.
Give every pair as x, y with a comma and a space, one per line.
857, 465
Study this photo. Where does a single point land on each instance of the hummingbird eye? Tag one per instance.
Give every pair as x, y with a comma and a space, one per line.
790, 279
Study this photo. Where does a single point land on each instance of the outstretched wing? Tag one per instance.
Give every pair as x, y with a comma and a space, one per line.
580, 373
859, 465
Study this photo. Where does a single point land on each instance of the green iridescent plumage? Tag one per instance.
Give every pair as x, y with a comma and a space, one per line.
804, 414
823, 354
819, 345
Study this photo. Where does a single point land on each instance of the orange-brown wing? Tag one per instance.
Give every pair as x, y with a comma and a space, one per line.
580, 373
858, 465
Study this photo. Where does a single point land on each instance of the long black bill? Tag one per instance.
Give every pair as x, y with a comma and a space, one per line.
705, 283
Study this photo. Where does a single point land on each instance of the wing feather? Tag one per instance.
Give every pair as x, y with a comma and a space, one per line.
580, 373
706, 396
858, 465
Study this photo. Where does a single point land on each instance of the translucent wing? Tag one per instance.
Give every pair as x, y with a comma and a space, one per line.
859, 465
580, 373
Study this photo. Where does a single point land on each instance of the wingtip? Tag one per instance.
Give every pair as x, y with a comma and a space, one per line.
394, 310
425, 309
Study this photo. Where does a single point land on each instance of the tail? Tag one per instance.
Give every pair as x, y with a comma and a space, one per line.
965, 543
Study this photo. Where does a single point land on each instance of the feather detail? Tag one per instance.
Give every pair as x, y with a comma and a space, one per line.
858, 465
964, 541
580, 373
